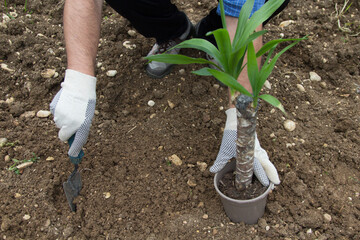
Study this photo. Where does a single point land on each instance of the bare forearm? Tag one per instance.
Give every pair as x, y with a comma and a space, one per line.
243, 79
82, 19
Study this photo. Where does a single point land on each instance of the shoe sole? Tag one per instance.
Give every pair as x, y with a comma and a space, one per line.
156, 76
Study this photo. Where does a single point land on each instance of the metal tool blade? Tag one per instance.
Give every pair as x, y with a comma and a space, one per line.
72, 187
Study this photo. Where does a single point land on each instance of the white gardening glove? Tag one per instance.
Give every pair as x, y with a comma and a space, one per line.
263, 168
73, 108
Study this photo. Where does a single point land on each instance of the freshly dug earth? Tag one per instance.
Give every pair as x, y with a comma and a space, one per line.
131, 189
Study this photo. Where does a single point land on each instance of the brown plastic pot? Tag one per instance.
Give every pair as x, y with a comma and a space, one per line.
248, 211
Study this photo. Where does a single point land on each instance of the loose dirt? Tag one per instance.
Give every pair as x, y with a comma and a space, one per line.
131, 190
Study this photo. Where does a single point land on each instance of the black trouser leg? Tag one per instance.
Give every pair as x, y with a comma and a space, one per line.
159, 19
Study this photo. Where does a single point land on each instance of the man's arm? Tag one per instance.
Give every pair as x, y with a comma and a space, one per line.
73, 106
82, 20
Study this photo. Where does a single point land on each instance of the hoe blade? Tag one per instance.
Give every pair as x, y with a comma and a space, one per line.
72, 188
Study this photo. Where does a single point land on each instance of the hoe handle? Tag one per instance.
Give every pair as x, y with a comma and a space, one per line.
75, 160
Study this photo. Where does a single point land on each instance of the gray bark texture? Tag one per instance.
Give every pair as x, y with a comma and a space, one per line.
246, 126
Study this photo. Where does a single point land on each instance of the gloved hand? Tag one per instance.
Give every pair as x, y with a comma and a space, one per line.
263, 168
73, 108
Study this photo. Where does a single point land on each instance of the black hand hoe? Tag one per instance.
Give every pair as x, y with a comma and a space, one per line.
73, 185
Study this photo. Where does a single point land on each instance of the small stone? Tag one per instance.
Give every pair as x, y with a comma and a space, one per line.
182, 71
152, 115
111, 73
56, 75
6, 18
171, 105
17, 195
128, 45
309, 231
200, 205
24, 165
47, 223
282, 35
267, 84
262, 223
132, 33
7, 158
202, 166
191, 183
314, 76
289, 125
5, 223
267, 228
28, 114
205, 216
13, 14
175, 160
216, 86
151, 103
68, 231
300, 87
3, 141
5, 67
3, 25
272, 135
286, 23
48, 73
323, 84
50, 159
298, 12
96, 112
10, 100
99, 64
107, 195
327, 217
288, 145
272, 110
43, 114
26, 217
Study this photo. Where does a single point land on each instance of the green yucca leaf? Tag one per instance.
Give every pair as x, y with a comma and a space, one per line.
224, 45
267, 69
202, 72
252, 68
267, 46
222, 11
273, 101
242, 20
229, 81
200, 44
177, 59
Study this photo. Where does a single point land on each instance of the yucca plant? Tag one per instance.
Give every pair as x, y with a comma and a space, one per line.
230, 56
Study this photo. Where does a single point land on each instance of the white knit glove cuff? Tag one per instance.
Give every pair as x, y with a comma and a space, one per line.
79, 84
231, 119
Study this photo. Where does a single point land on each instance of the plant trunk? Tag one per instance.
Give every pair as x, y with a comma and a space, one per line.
246, 126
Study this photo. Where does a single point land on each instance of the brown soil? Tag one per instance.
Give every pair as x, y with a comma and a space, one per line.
129, 144
227, 187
